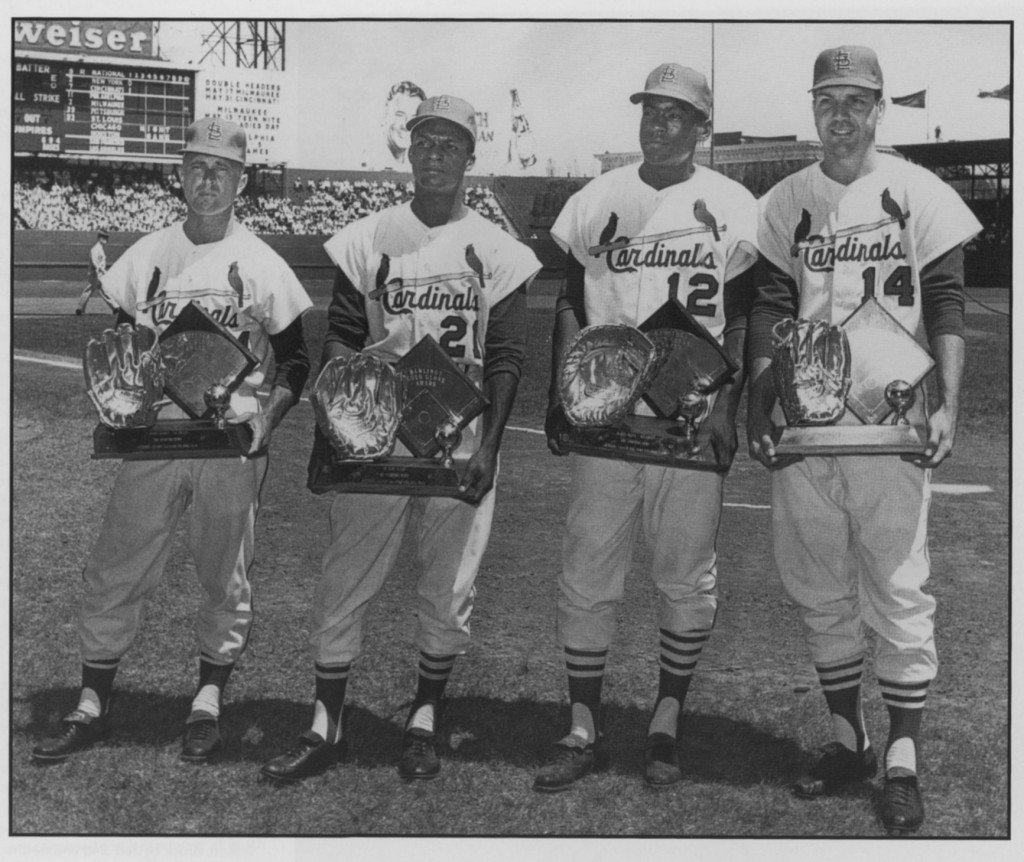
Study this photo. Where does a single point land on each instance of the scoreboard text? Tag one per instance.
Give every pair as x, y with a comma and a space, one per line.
97, 109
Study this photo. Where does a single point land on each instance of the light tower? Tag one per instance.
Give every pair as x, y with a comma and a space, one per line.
257, 44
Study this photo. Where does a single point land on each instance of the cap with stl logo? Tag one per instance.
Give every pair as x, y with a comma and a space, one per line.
847, 66
457, 111
213, 136
677, 82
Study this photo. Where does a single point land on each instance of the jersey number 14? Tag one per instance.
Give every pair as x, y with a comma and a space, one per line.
899, 283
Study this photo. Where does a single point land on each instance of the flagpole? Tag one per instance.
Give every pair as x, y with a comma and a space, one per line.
711, 159
927, 113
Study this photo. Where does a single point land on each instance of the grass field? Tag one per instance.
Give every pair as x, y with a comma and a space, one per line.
753, 719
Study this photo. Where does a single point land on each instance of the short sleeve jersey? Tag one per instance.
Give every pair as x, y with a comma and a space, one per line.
843, 243
439, 281
641, 247
239, 281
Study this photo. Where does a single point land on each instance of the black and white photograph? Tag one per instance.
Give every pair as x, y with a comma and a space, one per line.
508, 422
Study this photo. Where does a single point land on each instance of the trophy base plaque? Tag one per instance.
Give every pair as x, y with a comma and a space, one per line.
172, 438
643, 439
850, 440
400, 476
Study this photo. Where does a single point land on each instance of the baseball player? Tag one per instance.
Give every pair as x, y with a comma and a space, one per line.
212, 260
97, 269
850, 532
687, 233
448, 273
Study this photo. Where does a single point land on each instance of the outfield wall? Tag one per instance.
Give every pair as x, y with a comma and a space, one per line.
64, 255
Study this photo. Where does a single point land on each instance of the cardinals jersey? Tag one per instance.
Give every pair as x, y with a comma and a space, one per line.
843, 243
640, 246
239, 281
439, 281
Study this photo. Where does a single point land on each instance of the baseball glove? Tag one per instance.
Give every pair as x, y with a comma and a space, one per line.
357, 401
605, 369
124, 376
811, 370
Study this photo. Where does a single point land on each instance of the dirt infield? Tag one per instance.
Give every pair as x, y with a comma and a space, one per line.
753, 718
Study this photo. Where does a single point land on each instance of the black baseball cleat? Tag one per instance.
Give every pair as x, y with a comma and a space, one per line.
902, 811
570, 762
838, 766
419, 755
661, 760
202, 738
77, 731
310, 756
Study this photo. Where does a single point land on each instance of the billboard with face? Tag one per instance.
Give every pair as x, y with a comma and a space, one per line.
401, 103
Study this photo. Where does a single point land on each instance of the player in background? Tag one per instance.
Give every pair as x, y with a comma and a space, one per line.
850, 533
240, 281
424, 248
97, 269
697, 232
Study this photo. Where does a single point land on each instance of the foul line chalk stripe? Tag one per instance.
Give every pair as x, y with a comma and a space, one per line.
954, 490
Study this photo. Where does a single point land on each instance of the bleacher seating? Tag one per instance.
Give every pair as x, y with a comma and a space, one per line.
131, 201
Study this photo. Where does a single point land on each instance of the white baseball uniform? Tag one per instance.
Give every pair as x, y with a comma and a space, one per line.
430, 289
247, 287
684, 241
837, 518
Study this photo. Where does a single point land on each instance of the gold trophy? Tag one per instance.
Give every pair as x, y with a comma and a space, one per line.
202, 364
439, 401
688, 366
885, 368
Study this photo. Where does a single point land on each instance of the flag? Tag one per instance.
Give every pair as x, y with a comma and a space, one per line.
912, 100
522, 138
1002, 93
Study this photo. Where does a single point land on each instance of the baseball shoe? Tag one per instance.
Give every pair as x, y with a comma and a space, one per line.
202, 738
570, 762
419, 755
310, 756
77, 731
902, 811
661, 760
78, 311
837, 766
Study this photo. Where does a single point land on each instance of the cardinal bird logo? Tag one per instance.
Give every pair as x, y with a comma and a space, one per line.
154, 283
700, 212
803, 230
474, 263
382, 271
235, 280
892, 208
608, 234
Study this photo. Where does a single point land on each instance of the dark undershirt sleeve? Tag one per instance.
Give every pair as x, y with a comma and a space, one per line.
572, 294
347, 323
291, 357
942, 294
738, 299
505, 343
775, 298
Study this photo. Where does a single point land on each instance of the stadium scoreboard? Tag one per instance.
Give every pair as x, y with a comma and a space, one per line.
93, 108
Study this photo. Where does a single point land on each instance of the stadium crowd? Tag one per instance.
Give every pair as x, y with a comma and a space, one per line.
141, 200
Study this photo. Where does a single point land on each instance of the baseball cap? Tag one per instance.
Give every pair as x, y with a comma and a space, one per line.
213, 136
102, 234
677, 82
847, 66
457, 111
